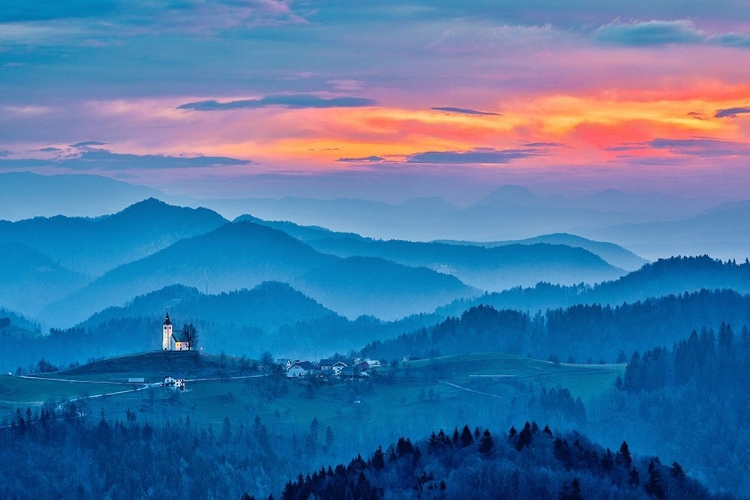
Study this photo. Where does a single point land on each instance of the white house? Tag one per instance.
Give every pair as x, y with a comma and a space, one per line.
331, 365
176, 383
286, 363
300, 369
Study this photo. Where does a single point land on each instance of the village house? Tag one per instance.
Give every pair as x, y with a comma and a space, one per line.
285, 363
300, 369
330, 365
176, 383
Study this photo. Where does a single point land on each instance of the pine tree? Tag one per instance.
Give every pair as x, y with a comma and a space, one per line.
624, 456
634, 479
653, 486
486, 443
466, 438
378, 459
677, 471
524, 437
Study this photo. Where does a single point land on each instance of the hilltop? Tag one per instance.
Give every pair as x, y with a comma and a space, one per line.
154, 366
95, 246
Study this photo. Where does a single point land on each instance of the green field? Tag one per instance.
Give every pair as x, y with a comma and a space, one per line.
152, 366
22, 392
417, 394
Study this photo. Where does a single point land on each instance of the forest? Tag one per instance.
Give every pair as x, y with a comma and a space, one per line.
123, 459
582, 333
692, 396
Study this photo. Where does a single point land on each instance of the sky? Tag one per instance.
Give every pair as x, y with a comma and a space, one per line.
380, 100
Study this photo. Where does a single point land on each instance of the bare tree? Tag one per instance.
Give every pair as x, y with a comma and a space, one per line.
191, 335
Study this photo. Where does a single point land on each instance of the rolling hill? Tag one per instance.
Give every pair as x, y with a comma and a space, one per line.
244, 254
671, 276
613, 254
488, 268
493, 269
357, 286
267, 307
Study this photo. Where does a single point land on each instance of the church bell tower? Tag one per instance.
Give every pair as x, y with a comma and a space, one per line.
166, 334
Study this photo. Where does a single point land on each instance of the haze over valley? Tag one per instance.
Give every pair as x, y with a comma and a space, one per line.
326, 250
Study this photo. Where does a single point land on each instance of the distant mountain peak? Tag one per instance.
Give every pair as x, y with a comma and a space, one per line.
508, 195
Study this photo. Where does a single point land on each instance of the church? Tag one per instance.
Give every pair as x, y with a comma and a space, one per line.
172, 340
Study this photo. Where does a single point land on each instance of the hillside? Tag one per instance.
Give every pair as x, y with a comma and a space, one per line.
95, 246
153, 366
583, 332
671, 276
492, 269
485, 268
494, 463
30, 279
614, 254
366, 285
232, 257
243, 255
267, 307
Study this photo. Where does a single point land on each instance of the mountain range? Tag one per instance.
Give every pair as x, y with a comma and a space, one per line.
655, 225
244, 254
491, 267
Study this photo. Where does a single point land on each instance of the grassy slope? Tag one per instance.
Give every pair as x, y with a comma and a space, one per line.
420, 395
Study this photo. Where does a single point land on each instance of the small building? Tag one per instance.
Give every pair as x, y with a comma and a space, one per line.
300, 369
179, 341
331, 365
286, 363
176, 383
328, 364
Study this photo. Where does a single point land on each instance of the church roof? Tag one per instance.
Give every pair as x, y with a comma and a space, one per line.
179, 336
166, 320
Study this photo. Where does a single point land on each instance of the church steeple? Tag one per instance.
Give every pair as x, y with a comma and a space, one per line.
166, 334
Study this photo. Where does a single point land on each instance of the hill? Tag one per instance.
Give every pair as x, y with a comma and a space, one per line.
581, 332
244, 254
365, 285
94, 246
232, 257
609, 252
267, 307
30, 279
153, 366
493, 269
486, 268
671, 276
532, 463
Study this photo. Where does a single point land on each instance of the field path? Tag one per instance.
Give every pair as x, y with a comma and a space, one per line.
469, 390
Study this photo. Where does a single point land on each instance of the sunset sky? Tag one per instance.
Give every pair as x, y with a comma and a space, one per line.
381, 100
